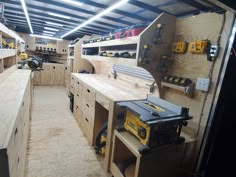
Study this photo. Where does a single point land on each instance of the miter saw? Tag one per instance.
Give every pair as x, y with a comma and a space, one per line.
34, 63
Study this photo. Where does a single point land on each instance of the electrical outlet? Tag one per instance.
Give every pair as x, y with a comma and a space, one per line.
203, 84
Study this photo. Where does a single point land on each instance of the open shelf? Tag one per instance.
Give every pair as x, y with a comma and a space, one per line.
187, 90
114, 42
4, 53
126, 61
152, 164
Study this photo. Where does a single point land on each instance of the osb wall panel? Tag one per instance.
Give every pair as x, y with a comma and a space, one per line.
193, 66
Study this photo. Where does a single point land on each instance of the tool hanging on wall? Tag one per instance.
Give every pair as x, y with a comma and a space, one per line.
163, 64
179, 47
34, 63
198, 47
144, 55
157, 34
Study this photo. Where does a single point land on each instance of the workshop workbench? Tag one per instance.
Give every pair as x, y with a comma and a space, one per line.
95, 98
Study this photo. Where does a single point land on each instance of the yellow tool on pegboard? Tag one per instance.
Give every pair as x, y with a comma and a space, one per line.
179, 47
198, 47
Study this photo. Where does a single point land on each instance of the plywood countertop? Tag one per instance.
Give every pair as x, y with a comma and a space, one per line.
11, 95
113, 89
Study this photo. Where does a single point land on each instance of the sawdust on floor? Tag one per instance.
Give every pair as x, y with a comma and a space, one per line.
56, 145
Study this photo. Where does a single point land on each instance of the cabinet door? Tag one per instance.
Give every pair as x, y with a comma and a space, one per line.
37, 77
46, 74
58, 74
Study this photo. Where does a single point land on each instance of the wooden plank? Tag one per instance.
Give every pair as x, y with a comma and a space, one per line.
7, 73
122, 61
196, 65
101, 99
79, 62
124, 41
4, 53
152, 61
115, 90
11, 95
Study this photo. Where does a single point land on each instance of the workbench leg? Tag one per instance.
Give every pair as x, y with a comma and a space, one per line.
110, 130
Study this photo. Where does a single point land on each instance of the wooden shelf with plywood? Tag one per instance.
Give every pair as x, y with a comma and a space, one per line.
128, 61
135, 47
4, 53
151, 164
8, 56
187, 90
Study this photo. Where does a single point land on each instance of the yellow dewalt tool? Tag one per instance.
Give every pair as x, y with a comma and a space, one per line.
198, 47
154, 122
179, 47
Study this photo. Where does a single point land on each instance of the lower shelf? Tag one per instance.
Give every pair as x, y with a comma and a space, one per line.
126, 161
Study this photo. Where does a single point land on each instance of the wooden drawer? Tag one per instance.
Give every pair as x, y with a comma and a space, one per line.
15, 143
88, 110
102, 100
87, 127
89, 95
73, 80
78, 115
72, 89
78, 99
78, 86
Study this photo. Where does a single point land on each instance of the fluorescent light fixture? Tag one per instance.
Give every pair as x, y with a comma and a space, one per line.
56, 24
45, 37
26, 15
109, 9
73, 2
51, 29
59, 15
50, 32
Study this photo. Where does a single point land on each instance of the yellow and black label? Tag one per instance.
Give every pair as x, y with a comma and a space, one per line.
198, 47
179, 47
135, 126
155, 107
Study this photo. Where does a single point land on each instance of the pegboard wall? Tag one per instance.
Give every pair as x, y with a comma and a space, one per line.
193, 66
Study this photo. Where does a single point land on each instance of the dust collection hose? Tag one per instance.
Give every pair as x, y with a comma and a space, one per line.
98, 143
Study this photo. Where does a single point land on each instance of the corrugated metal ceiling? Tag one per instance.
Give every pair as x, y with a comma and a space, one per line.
134, 12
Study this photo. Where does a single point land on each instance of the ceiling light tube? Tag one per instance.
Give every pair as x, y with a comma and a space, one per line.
56, 24
45, 37
73, 2
49, 35
51, 29
109, 9
59, 15
27, 15
50, 32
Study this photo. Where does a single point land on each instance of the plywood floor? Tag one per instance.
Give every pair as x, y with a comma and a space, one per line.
57, 147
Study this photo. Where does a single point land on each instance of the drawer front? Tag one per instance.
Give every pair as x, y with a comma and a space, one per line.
78, 86
87, 128
78, 100
102, 100
89, 95
88, 110
73, 79
78, 115
15, 143
72, 89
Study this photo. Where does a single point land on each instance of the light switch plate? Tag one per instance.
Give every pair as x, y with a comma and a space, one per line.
203, 84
